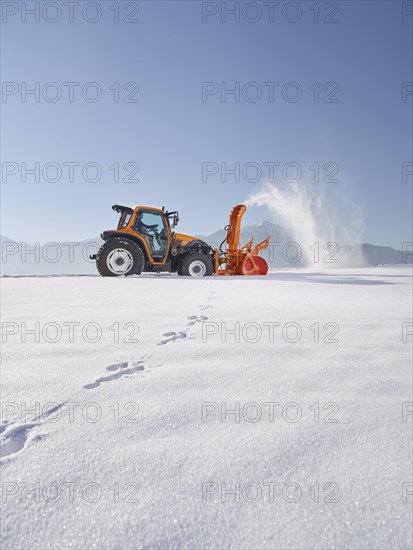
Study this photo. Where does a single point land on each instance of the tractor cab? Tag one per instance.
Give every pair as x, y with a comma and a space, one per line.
151, 226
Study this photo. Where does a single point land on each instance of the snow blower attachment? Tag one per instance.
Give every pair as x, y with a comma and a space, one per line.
240, 261
145, 240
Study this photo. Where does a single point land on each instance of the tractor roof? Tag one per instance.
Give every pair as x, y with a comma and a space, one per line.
130, 209
122, 208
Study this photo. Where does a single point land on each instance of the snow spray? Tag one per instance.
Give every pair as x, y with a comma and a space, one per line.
325, 226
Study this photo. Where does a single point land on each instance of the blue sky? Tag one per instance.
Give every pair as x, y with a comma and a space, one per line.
170, 132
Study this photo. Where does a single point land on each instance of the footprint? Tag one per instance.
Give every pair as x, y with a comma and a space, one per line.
193, 319
119, 370
117, 366
13, 440
5, 425
172, 337
204, 307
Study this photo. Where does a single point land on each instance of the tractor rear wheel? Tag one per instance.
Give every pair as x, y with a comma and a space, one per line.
196, 265
119, 257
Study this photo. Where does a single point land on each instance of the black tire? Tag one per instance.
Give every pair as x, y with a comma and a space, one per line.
129, 252
190, 263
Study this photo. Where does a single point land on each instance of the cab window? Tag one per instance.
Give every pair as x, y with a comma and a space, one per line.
124, 220
151, 226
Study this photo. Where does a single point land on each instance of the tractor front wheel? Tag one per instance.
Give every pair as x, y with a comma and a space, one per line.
196, 265
119, 257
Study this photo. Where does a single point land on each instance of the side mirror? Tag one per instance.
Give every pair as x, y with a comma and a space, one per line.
176, 219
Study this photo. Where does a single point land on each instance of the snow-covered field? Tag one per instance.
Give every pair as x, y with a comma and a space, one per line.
197, 414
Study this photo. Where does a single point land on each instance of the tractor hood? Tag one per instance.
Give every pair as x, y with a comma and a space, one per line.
185, 238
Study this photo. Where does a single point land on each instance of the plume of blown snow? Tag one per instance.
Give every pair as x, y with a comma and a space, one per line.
327, 228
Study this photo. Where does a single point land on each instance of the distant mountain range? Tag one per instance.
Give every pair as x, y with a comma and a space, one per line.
54, 258
72, 258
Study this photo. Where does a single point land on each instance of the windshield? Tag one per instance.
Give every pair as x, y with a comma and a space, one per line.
124, 220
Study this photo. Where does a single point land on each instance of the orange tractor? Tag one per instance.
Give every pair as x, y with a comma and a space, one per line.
145, 240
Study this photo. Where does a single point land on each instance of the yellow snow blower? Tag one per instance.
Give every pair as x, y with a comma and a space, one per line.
145, 240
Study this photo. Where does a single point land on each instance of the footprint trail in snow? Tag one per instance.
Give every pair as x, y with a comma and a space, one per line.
13, 436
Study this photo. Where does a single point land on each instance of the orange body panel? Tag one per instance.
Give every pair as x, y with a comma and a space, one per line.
185, 238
